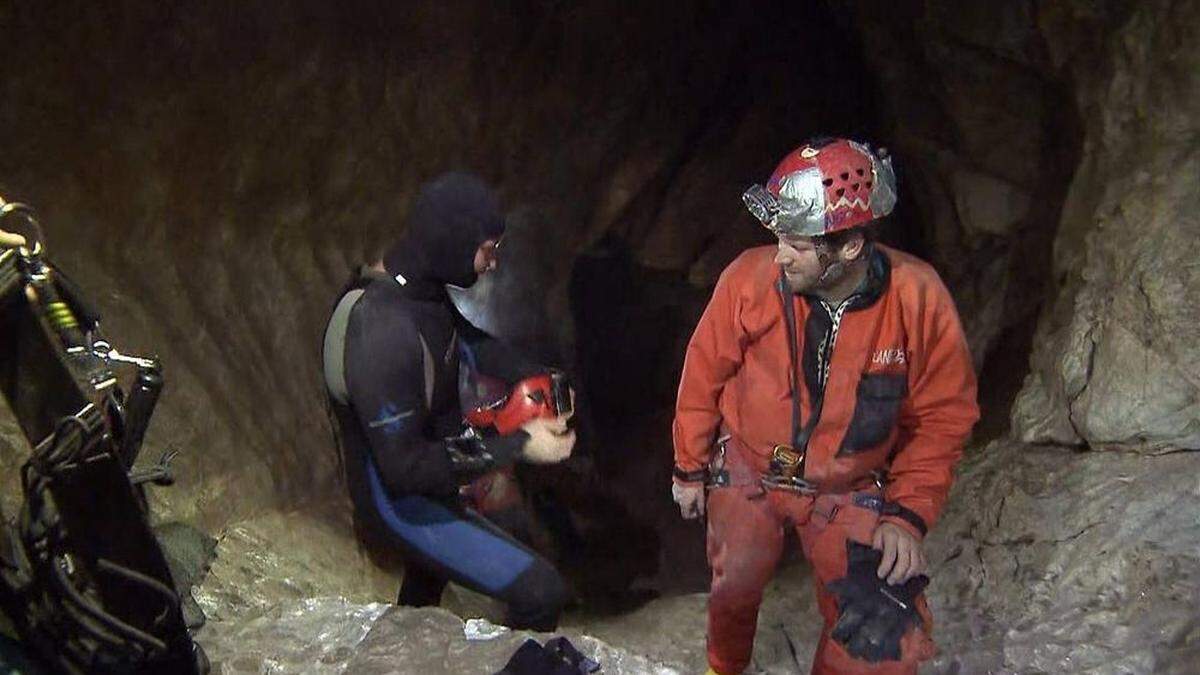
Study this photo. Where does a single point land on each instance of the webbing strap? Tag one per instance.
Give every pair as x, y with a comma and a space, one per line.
334, 347
789, 318
800, 434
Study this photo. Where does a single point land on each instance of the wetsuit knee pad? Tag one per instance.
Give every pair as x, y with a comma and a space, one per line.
536, 597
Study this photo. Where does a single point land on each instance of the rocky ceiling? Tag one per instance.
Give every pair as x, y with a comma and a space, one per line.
211, 171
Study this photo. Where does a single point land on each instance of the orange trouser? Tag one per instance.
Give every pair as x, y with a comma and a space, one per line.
745, 541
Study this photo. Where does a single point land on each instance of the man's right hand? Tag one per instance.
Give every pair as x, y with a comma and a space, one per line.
690, 498
550, 440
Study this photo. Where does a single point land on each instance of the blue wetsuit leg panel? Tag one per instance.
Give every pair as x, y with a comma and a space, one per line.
471, 553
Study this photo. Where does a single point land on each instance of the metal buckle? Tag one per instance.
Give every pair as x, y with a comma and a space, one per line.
798, 485
786, 462
717, 475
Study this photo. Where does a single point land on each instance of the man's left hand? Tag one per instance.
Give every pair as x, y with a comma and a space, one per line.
903, 555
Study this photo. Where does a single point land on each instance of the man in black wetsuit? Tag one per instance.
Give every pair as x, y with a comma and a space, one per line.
392, 359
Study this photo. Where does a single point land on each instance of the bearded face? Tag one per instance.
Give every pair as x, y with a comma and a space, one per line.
811, 265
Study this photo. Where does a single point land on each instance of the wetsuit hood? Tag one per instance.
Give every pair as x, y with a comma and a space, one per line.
451, 217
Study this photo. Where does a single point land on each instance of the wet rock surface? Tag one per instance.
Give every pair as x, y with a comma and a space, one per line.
288, 557
189, 554
314, 635
1050, 560
292, 593
1047, 560
257, 624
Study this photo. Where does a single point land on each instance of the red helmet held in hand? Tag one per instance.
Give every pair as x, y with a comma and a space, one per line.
546, 395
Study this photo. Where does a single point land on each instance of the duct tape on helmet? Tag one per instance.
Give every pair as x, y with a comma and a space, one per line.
819, 188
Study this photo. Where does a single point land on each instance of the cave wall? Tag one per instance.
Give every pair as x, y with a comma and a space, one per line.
1049, 560
989, 140
1115, 359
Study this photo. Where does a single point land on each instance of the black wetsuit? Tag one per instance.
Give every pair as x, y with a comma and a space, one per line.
403, 343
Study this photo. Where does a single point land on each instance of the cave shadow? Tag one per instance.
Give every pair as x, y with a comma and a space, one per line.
632, 325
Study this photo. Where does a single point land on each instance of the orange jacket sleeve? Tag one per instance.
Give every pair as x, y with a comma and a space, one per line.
713, 355
938, 414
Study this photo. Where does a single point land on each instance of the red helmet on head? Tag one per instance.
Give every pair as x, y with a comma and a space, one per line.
825, 186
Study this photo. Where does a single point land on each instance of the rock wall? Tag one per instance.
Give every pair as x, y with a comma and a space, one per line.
989, 138
1050, 561
1115, 364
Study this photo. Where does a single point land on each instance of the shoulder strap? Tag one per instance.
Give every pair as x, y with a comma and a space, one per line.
789, 318
334, 347
800, 434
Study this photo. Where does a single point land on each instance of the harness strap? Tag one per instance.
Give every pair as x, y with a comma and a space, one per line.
886, 508
334, 347
789, 316
697, 476
800, 434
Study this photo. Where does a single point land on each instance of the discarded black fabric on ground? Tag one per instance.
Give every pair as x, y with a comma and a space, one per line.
557, 657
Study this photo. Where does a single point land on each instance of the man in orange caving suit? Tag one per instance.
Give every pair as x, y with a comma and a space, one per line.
827, 388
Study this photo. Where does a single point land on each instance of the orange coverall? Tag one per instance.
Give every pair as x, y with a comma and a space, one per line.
899, 395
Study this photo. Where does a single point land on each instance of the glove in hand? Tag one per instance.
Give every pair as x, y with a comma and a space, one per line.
872, 615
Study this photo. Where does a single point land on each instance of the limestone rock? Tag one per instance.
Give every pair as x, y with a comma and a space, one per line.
1049, 560
984, 147
331, 635
277, 558
672, 629
987, 204
189, 553
1116, 363
432, 641
312, 635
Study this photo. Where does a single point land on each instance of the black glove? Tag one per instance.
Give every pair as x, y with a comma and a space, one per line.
472, 456
873, 616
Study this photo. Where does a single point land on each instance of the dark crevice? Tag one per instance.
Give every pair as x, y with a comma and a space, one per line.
954, 555
718, 117
792, 651
1030, 540
1031, 262
632, 322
